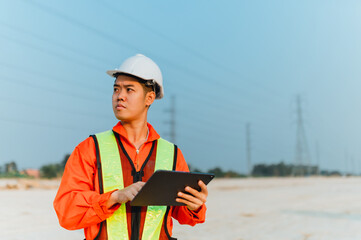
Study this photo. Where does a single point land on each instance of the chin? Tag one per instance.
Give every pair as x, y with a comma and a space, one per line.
122, 118
119, 116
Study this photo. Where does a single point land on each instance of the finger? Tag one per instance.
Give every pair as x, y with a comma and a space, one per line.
195, 193
203, 186
130, 192
130, 196
191, 206
190, 198
139, 185
127, 195
192, 191
134, 190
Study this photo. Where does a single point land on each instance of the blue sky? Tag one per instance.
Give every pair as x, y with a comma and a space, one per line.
227, 63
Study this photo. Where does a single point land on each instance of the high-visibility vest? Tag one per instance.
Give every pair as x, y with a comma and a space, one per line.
112, 178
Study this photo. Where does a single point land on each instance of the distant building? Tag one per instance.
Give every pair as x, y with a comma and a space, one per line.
32, 172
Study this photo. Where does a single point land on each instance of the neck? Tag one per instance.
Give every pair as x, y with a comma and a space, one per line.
137, 132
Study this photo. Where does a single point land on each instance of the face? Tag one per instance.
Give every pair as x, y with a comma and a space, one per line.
129, 100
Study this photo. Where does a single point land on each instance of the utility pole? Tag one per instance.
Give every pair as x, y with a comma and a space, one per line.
346, 162
352, 162
248, 148
302, 156
318, 159
172, 122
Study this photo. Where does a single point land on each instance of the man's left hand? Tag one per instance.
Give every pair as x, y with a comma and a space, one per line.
195, 199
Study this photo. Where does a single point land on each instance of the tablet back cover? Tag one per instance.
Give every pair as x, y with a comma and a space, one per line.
162, 187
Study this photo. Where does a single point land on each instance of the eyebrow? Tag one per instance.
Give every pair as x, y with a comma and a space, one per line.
126, 85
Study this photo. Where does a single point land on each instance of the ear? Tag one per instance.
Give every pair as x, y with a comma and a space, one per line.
149, 98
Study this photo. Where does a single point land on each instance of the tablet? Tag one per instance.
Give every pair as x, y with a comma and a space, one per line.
163, 186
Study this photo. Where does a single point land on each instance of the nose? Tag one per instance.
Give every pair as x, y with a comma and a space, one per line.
121, 96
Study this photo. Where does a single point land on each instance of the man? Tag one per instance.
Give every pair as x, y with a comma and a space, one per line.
107, 170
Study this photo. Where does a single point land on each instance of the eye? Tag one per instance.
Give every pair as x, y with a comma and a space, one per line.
115, 90
129, 89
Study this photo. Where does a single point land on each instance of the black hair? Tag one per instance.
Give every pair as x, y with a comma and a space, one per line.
147, 85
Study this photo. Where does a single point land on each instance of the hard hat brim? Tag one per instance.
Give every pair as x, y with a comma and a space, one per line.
113, 72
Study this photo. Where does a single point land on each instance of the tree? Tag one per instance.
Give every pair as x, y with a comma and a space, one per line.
218, 172
51, 170
65, 160
11, 167
192, 169
55, 169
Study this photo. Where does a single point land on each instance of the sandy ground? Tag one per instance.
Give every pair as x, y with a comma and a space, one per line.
239, 209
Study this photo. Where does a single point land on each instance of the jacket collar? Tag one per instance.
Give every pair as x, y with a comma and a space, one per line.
153, 135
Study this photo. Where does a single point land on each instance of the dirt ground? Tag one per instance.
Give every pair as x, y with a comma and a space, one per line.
239, 209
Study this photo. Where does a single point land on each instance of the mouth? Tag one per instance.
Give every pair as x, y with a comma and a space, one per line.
119, 107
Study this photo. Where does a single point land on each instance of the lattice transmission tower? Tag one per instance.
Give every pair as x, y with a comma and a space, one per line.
248, 149
172, 120
302, 155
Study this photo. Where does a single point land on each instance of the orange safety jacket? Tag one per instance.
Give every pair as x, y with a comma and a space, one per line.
79, 203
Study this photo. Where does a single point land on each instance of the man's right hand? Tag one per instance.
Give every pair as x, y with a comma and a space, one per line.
124, 195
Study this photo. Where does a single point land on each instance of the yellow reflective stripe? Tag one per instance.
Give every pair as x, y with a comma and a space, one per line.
155, 214
165, 154
117, 224
112, 179
153, 222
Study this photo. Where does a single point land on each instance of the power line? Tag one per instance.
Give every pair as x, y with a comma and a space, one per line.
93, 29
207, 103
57, 109
209, 138
74, 21
41, 124
221, 105
86, 54
206, 59
51, 52
56, 78
54, 90
115, 40
32, 46
201, 99
20, 82
206, 121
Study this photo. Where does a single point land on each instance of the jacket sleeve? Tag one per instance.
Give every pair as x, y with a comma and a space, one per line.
77, 203
182, 213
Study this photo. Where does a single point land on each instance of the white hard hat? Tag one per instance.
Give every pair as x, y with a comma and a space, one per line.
142, 67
